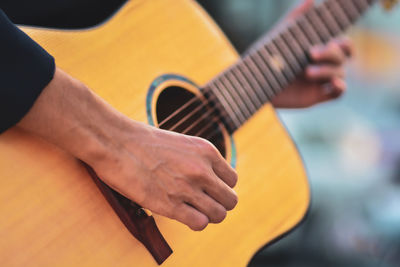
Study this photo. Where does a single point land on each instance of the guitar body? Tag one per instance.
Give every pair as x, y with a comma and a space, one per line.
52, 214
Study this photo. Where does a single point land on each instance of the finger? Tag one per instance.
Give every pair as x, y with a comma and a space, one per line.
332, 90
347, 46
331, 53
215, 212
339, 87
222, 193
300, 9
324, 73
190, 216
225, 171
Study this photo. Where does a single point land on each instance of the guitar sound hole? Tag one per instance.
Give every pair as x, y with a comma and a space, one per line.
182, 111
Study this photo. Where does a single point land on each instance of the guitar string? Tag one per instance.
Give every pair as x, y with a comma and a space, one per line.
186, 118
190, 102
210, 111
203, 104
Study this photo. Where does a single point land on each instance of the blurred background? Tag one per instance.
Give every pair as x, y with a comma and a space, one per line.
351, 147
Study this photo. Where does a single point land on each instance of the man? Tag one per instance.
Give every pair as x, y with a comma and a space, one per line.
178, 176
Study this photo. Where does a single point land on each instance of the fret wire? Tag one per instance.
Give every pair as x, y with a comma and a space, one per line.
259, 95
288, 54
318, 25
338, 13
230, 89
233, 115
221, 112
260, 63
249, 94
264, 57
246, 88
272, 51
224, 91
330, 22
266, 76
299, 52
306, 27
212, 102
299, 35
265, 71
236, 95
256, 81
350, 10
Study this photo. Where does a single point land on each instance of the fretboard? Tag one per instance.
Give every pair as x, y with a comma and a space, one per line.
278, 59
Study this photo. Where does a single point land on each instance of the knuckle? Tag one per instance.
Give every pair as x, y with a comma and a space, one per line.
198, 172
206, 147
180, 192
183, 188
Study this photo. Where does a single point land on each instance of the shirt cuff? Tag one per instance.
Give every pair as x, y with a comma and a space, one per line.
25, 70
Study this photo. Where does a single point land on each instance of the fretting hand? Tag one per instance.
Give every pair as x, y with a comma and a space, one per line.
324, 79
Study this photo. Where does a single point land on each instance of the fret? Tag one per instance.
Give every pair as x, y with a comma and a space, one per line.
277, 63
252, 67
273, 63
350, 9
210, 96
216, 105
247, 87
231, 100
306, 27
299, 35
298, 51
234, 94
277, 82
318, 25
234, 90
338, 13
267, 76
266, 91
227, 107
330, 21
240, 92
233, 107
288, 54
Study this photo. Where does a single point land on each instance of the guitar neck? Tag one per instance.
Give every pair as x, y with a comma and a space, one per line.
276, 60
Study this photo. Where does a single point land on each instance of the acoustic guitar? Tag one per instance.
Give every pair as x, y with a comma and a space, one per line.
165, 62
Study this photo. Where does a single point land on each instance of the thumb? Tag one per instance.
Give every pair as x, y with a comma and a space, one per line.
300, 9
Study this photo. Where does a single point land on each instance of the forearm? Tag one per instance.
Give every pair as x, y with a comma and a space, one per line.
73, 118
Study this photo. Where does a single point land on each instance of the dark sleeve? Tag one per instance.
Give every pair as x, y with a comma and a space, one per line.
25, 69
